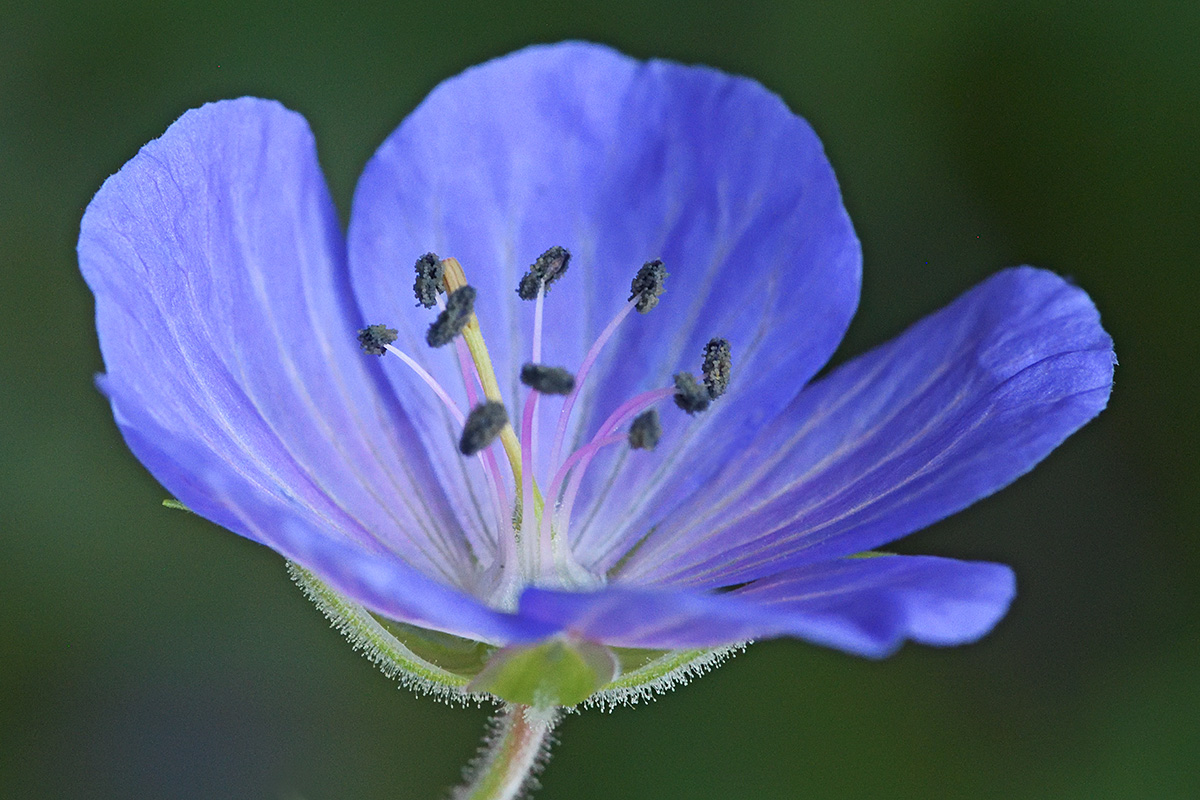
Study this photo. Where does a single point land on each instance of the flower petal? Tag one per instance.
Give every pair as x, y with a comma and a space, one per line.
870, 606
228, 335
958, 406
620, 162
381, 581
867, 606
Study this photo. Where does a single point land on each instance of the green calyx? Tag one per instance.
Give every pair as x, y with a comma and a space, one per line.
557, 672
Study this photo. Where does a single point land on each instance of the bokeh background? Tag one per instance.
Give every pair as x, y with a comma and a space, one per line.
147, 654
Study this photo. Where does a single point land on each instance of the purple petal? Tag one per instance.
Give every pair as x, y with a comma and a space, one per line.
955, 408
867, 606
381, 581
871, 605
228, 336
620, 162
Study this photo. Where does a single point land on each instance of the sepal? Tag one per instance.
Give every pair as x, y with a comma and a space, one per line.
560, 671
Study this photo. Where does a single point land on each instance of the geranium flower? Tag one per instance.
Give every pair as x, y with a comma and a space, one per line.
229, 307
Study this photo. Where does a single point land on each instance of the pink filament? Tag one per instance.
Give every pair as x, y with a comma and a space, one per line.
614, 421
581, 376
586, 452
491, 469
631, 407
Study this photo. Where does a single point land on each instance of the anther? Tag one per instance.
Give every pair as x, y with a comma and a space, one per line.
548, 268
460, 305
648, 286
373, 338
428, 285
717, 364
547, 380
690, 395
483, 425
645, 430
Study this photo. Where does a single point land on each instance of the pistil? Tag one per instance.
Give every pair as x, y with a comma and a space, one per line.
454, 278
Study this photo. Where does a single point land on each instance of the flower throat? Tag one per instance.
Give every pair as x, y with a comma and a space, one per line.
531, 546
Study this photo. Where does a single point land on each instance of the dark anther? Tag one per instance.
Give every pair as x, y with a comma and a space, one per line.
547, 380
373, 338
429, 279
459, 307
548, 268
690, 395
483, 425
645, 431
647, 285
717, 364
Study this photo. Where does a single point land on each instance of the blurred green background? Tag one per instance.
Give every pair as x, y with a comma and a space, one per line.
147, 654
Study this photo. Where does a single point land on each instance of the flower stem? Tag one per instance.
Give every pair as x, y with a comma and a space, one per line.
516, 749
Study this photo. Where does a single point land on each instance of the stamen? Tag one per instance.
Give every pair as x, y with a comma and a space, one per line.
648, 286
565, 413
584, 454
581, 459
538, 314
690, 395
529, 453
375, 338
529, 421
460, 306
490, 467
429, 279
548, 268
645, 431
717, 365
645, 288
380, 336
430, 381
454, 279
631, 407
547, 380
483, 425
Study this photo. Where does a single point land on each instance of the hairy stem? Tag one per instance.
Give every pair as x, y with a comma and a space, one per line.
516, 749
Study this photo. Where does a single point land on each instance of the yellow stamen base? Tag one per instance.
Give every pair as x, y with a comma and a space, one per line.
454, 278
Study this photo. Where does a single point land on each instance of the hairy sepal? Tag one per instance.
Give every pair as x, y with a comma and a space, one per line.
558, 672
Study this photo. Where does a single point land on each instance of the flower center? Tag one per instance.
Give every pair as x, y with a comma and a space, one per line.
532, 547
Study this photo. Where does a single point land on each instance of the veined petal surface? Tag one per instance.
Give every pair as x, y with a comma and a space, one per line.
227, 304
958, 406
867, 606
383, 582
621, 162
227, 330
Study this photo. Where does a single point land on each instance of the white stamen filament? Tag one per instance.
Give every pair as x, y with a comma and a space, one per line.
499, 496
531, 425
529, 517
447, 401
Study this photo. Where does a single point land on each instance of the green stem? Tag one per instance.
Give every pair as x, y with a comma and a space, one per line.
517, 748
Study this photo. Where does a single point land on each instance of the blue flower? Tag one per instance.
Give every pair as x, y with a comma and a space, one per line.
228, 302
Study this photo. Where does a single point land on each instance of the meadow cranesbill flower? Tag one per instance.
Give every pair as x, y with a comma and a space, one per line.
577, 451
